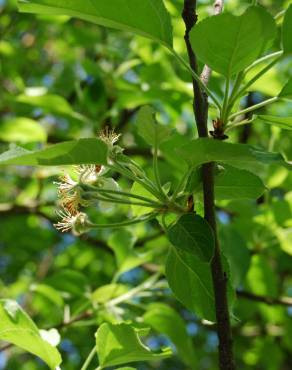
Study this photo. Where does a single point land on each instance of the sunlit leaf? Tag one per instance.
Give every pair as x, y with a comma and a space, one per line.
148, 127
287, 90
22, 130
120, 344
83, 151
284, 123
148, 18
164, 319
17, 328
229, 43
107, 292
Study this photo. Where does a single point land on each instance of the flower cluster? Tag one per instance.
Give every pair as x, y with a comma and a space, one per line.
71, 193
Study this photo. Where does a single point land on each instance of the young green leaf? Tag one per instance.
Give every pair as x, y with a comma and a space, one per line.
148, 18
83, 151
138, 189
164, 319
244, 156
191, 282
120, 344
18, 328
287, 31
286, 92
107, 292
192, 234
284, 123
148, 127
228, 44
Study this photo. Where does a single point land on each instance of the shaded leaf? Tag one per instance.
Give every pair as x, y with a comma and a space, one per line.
287, 31
234, 183
191, 282
50, 103
238, 255
192, 234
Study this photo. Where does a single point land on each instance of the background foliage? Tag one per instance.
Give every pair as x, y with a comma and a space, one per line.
64, 79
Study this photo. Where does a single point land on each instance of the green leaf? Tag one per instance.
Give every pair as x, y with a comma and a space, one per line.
261, 278
238, 255
148, 18
244, 156
138, 189
191, 283
167, 148
287, 31
49, 293
192, 234
120, 344
286, 92
107, 292
228, 44
233, 183
230, 183
22, 130
50, 103
282, 122
17, 328
70, 281
83, 151
122, 242
166, 320
148, 127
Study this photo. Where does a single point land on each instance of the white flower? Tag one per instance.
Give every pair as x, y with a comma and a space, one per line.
78, 222
69, 193
89, 173
65, 185
109, 137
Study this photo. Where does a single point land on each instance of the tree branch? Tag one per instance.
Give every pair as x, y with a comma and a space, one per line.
219, 276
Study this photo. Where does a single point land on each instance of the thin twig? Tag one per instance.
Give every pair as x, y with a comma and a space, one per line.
271, 301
